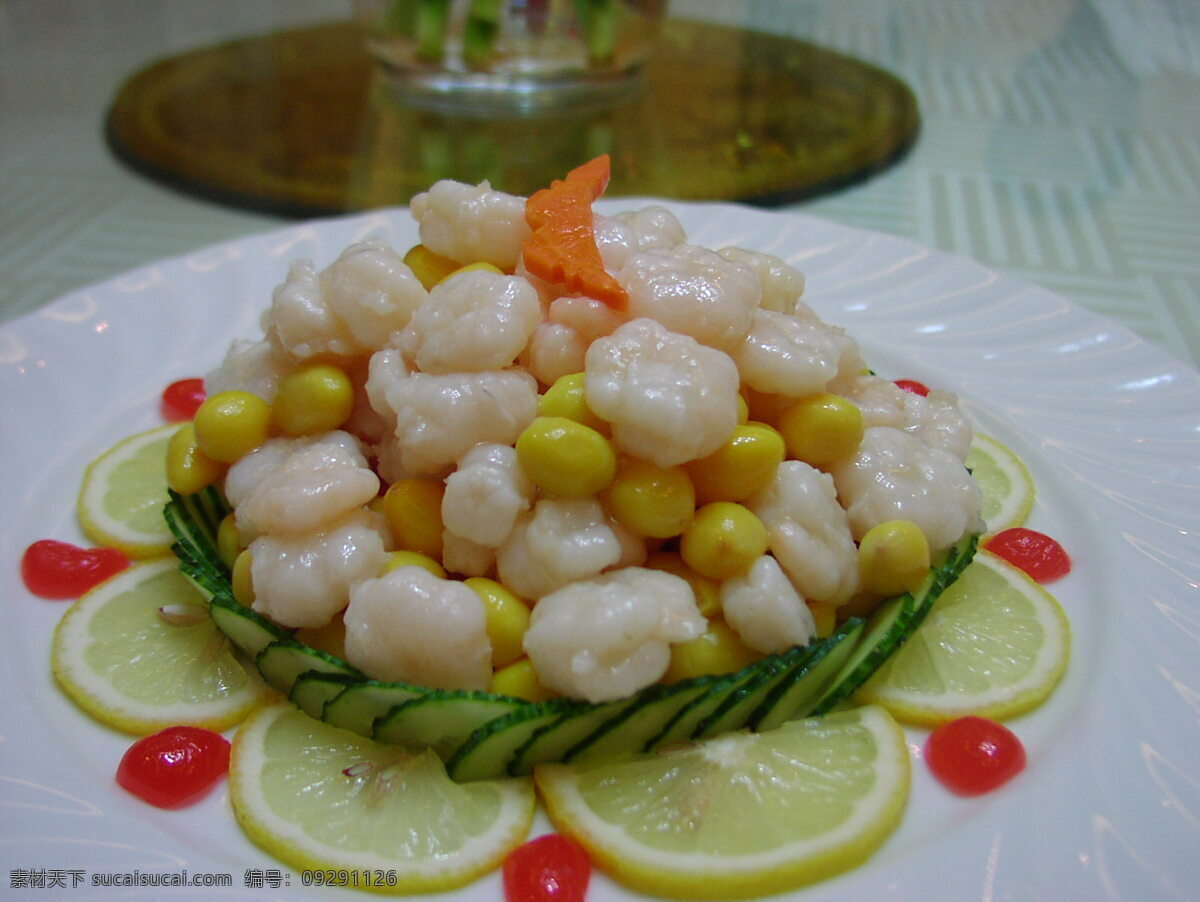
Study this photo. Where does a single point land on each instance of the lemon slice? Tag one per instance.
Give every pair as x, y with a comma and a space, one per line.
321, 798
140, 670
995, 645
739, 815
1005, 482
123, 494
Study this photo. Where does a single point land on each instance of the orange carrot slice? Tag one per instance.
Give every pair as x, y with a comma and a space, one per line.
562, 248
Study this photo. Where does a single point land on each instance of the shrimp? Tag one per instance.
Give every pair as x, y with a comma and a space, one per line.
669, 399
559, 345
299, 485
636, 230
372, 291
765, 609
895, 476
781, 284
608, 637
256, 367
485, 494
935, 419
809, 532
472, 321
693, 291
304, 579
412, 626
793, 356
438, 418
352, 308
464, 557
471, 223
562, 540
554, 351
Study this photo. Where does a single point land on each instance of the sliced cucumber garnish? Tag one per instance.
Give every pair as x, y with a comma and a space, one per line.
482, 735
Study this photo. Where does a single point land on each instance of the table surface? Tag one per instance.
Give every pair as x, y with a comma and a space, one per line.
1060, 140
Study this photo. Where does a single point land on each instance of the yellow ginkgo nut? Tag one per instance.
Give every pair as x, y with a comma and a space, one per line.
566, 459
231, 424
739, 468
649, 500
413, 510
520, 680
893, 557
718, 650
821, 429
188, 468
397, 559
566, 398
507, 619
313, 398
723, 540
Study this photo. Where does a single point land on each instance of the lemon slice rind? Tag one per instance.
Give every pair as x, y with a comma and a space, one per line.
781, 864
320, 798
138, 464
989, 617
119, 660
1008, 489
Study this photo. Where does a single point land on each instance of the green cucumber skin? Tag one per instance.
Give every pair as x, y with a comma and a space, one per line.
737, 707
795, 695
282, 663
631, 730
491, 750
575, 726
441, 721
360, 706
313, 690
889, 637
798, 683
248, 630
681, 725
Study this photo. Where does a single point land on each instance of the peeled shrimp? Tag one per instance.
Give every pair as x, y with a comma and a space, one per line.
438, 418
412, 626
561, 541
608, 637
559, 345
636, 230
353, 307
255, 367
781, 284
765, 609
304, 579
472, 321
471, 223
299, 485
669, 399
934, 419
485, 494
809, 532
794, 356
895, 476
693, 291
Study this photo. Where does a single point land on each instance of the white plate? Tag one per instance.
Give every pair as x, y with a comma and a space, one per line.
1109, 807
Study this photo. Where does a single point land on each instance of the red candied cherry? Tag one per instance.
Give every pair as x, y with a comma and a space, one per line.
181, 399
974, 755
912, 385
174, 767
54, 569
1036, 553
551, 868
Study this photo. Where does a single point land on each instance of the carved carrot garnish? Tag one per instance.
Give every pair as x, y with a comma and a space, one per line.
562, 248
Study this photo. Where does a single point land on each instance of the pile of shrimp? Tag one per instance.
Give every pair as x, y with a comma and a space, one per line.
447, 378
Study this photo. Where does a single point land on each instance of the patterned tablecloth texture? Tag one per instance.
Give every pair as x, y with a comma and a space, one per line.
1060, 140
